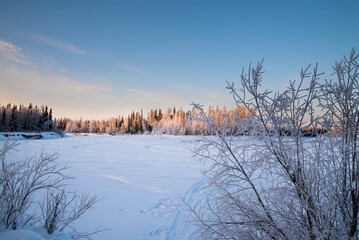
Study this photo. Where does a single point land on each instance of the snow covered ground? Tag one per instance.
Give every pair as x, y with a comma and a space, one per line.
139, 179
27, 135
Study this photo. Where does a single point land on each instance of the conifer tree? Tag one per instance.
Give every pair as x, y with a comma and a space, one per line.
50, 114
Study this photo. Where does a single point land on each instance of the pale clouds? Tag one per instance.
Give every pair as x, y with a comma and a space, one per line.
130, 68
33, 82
12, 53
69, 96
70, 93
61, 45
27, 77
159, 97
141, 92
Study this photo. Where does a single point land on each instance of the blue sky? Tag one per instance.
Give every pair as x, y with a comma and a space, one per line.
97, 59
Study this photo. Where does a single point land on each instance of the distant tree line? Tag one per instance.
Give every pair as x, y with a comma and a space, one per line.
26, 119
172, 122
20, 118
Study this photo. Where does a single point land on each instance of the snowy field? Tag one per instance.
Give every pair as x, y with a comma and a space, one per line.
140, 179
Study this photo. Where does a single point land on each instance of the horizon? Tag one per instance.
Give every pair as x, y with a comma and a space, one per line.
103, 59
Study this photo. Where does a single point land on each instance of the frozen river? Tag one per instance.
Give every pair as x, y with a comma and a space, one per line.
139, 179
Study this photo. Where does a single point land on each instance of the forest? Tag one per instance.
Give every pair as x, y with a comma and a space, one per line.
172, 121
26, 119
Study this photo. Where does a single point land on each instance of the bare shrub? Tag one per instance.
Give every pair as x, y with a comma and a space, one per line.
62, 207
21, 180
275, 182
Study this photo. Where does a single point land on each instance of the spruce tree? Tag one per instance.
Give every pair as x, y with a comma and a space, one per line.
159, 117
3, 117
50, 114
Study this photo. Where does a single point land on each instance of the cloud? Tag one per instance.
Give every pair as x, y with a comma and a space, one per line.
142, 92
130, 68
47, 85
150, 93
68, 95
57, 44
70, 85
155, 98
13, 53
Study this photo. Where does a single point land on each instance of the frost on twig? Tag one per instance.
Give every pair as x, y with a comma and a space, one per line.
22, 180
284, 171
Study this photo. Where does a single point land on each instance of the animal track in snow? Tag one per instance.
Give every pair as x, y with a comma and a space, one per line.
141, 186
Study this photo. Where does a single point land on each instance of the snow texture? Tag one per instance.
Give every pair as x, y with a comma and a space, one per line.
26, 136
20, 235
140, 179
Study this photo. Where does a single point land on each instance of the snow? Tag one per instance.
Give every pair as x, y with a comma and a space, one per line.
28, 135
20, 235
139, 179
33, 234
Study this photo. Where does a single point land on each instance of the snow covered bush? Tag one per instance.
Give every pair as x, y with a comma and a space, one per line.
276, 182
341, 103
22, 181
62, 207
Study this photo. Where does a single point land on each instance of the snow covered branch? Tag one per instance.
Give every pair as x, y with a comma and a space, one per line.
273, 182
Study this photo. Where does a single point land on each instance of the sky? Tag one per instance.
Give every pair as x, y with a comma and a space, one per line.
99, 59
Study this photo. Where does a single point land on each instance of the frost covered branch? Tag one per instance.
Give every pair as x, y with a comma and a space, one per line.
21, 180
273, 182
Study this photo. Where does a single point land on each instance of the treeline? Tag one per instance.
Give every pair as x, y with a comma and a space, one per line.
172, 122
20, 118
